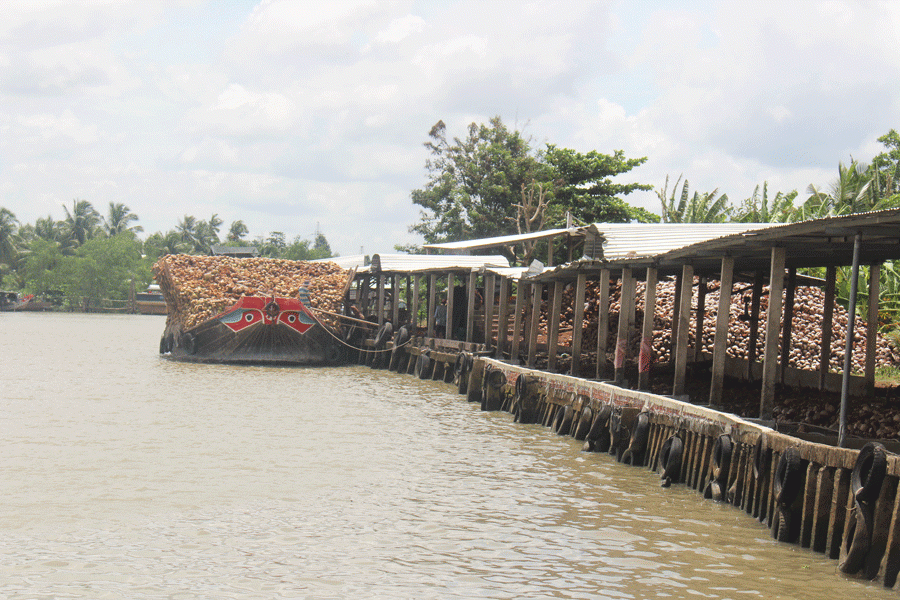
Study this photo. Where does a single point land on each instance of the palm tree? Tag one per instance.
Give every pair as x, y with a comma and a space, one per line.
118, 220
8, 228
237, 231
206, 234
849, 193
187, 229
82, 222
699, 208
757, 209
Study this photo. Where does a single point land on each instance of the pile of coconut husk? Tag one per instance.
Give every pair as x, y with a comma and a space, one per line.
200, 287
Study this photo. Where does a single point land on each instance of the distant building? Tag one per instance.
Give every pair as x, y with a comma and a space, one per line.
236, 251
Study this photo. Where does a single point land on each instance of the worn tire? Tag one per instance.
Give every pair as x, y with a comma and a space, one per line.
563, 421
762, 454
869, 472
422, 364
722, 451
189, 343
384, 334
600, 423
670, 456
788, 478
637, 445
858, 540
584, 424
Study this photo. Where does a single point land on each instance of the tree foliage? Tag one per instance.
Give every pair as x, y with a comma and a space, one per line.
709, 207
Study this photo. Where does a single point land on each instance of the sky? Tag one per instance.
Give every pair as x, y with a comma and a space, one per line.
298, 117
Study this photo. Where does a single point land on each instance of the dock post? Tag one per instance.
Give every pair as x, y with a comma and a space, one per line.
602, 324
577, 326
720, 342
645, 356
773, 326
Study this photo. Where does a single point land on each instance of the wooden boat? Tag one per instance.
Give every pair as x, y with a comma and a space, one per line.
258, 330
151, 301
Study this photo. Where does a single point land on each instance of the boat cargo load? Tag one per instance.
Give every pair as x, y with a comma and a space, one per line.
251, 310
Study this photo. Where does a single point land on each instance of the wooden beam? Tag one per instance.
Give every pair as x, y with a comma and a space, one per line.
788, 322
602, 324
522, 289
537, 291
451, 284
489, 282
578, 325
827, 322
754, 324
395, 301
683, 333
872, 326
380, 306
414, 307
626, 323
432, 290
773, 328
720, 343
645, 358
503, 317
553, 331
701, 318
470, 312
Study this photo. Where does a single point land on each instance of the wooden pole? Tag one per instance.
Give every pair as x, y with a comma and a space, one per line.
773, 328
701, 317
503, 317
414, 314
448, 328
522, 289
553, 333
720, 343
602, 324
470, 312
626, 321
380, 307
684, 325
489, 283
754, 324
827, 323
537, 290
395, 301
645, 357
578, 325
872, 326
432, 290
848, 343
788, 326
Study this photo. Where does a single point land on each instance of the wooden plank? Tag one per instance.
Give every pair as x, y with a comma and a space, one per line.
626, 318
451, 284
701, 316
489, 283
432, 290
395, 301
578, 325
380, 307
414, 311
754, 324
537, 291
553, 332
684, 324
788, 319
602, 324
645, 356
470, 311
720, 343
522, 289
773, 328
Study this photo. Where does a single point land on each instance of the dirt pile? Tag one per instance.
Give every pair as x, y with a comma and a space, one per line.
199, 287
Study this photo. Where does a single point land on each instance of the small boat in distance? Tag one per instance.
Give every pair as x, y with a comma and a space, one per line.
151, 301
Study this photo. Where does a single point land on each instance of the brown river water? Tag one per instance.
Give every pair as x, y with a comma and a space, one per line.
127, 476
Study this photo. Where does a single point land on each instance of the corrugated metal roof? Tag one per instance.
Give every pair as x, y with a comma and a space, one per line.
640, 240
502, 240
345, 262
407, 263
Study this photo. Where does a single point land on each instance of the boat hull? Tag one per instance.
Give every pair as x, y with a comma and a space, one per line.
258, 331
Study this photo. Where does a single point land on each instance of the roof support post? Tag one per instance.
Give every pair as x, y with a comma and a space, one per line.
503, 317
720, 343
645, 358
451, 311
414, 305
788, 325
602, 324
380, 308
522, 289
701, 317
676, 312
872, 326
432, 307
848, 342
626, 324
395, 301
364, 295
537, 290
683, 332
578, 325
553, 332
773, 327
754, 324
470, 312
489, 283
827, 321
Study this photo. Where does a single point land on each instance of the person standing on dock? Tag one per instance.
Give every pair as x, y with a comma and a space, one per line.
440, 319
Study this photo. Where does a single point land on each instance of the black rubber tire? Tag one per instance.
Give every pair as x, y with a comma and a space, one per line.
603, 441
563, 422
402, 336
722, 451
600, 422
162, 345
670, 456
858, 540
584, 424
868, 472
496, 379
789, 477
521, 387
638, 444
713, 491
189, 343
762, 454
384, 334
422, 365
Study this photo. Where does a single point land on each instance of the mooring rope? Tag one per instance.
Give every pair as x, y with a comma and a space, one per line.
350, 345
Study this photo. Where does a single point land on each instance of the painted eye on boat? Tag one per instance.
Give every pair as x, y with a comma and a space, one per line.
248, 317
292, 318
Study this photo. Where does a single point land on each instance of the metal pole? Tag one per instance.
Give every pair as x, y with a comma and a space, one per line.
848, 343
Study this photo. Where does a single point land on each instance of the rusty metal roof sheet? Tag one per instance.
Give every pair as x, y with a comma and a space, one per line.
638, 240
503, 240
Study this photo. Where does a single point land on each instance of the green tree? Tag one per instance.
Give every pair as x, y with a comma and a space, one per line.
82, 222
885, 167
847, 194
119, 219
758, 209
102, 268
8, 228
41, 269
187, 230
206, 234
709, 207
160, 244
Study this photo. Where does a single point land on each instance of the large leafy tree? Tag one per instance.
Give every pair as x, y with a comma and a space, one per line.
494, 183
8, 229
885, 167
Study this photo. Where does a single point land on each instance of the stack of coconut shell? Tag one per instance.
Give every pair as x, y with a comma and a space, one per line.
200, 287
809, 308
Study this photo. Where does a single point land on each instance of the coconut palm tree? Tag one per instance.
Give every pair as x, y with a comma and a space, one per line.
757, 209
699, 208
187, 229
118, 220
237, 231
8, 228
82, 221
